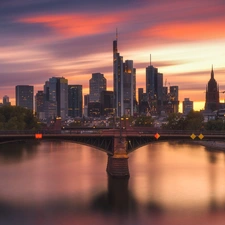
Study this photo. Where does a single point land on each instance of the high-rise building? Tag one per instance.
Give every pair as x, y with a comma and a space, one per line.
187, 106
140, 95
143, 102
6, 100
50, 104
56, 92
212, 94
173, 99
97, 84
86, 101
94, 109
117, 81
25, 96
154, 89
107, 103
75, 100
124, 84
129, 88
39, 105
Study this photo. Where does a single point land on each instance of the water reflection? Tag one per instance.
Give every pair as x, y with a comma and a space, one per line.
118, 199
66, 183
17, 151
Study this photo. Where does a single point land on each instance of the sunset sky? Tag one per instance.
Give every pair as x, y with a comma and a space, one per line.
73, 39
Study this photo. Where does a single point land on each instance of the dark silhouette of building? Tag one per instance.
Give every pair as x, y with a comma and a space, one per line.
6, 100
124, 84
25, 96
117, 80
154, 89
56, 93
173, 101
129, 87
106, 103
86, 101
75, 102
94, 109
97, 84
39, 105
142, 102
212, 94
187, 106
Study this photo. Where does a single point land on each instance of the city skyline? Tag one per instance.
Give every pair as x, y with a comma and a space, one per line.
71, 40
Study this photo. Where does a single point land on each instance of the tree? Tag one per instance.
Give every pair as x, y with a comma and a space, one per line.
174, 122
17, 118
215, 125
194, 120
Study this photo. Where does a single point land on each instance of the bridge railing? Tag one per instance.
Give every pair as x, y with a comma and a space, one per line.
182, 132
112, 131
8, 132
24, 132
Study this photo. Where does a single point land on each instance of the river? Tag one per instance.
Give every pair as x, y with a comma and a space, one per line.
54, 183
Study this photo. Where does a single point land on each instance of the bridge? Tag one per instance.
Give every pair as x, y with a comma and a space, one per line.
117, 143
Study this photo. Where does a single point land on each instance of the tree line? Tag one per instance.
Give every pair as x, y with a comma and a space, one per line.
193, 121
17, 118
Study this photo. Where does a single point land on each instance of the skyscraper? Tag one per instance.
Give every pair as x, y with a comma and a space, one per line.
154, 88
56, 92
129, 88
97, 84
212, 94
25, 96
86, 102
143, 102
187, 106
75, 100
117, 80
174, 102
106, 103
124, 84
39, 105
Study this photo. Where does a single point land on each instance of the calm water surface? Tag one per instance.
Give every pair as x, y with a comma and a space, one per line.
66, 183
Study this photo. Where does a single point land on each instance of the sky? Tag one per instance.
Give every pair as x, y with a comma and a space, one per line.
73, 39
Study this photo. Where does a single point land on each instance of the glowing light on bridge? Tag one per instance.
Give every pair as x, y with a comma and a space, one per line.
157, 136
38, 136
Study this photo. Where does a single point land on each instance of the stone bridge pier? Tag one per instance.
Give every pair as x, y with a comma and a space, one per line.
117, 165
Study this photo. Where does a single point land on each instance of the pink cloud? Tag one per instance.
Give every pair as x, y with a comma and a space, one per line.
76, 24
188, 31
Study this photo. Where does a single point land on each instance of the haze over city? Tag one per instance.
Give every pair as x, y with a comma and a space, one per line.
73, 39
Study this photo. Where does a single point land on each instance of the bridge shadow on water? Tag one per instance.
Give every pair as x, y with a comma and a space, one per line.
116, 202
115, 205
117, 199
120, 201
14, 152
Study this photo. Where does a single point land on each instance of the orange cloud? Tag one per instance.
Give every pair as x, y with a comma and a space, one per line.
76, 24
188, 31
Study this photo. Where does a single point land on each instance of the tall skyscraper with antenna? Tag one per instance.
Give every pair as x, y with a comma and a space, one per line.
124, 84
117, 80
154, 88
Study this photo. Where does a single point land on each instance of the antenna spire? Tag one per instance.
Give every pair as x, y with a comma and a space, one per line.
212, 73
116, 34
150, 59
